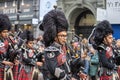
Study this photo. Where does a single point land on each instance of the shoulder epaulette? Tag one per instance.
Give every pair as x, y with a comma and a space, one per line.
102, 46
51, 48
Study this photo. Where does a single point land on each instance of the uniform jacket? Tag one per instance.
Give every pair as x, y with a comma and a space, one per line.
3, 51
106, 55
107, 64
57, 62
28, 60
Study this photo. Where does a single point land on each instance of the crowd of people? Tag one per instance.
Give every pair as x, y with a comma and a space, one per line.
51, 57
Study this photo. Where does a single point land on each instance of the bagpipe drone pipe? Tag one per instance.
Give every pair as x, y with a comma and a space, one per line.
76, 63
116, 53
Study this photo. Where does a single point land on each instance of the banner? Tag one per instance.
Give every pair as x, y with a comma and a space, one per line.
113, 11
101, 14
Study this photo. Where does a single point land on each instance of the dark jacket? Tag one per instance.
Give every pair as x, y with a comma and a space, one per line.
27, 59
107, 65
57, 62
4, 55
106, 61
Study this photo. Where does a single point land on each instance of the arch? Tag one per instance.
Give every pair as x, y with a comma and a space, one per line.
72, 8
75, 6
82, 15
74, 12
84, 23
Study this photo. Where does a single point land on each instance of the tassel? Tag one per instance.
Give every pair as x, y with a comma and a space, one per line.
35, 76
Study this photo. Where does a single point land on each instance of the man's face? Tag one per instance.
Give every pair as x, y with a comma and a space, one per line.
4, 33
30, 44
75, 45
108, 40
61, 37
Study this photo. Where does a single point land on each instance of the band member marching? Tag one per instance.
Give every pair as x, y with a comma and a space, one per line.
102, 39
55, 28
28, 60
5, 27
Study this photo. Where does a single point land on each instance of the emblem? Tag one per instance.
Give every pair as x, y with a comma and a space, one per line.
31, 53
50, 55
108, 49
2, 44
2, 48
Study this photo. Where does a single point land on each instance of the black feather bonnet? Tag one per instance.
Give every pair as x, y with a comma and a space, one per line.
4, 23
101, 30
28, 35
53, 22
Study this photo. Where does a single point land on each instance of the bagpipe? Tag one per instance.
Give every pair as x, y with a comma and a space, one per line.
76, 63
39, 56
116, 52
14, 50
39, 51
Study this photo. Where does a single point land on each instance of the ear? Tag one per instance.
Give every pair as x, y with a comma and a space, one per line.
56, 38
105, 40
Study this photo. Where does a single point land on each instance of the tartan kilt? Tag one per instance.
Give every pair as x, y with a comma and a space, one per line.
15, 72
106, 78
1, 73
24, 76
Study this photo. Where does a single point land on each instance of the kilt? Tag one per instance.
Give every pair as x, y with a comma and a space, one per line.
24, 76
106, 77
1, 73
15, 72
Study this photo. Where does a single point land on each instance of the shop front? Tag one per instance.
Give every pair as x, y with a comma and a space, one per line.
25, 13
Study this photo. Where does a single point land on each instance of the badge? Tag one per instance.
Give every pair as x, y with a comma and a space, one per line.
109, 52
2, 44
2, 48
31, 53
50, 55
108, 48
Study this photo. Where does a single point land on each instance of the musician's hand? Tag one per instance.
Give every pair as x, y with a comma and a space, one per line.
87, 58
118, 66
39, 63
8, 63
83, 56
82, 76
43, 59
16, 62
73, 78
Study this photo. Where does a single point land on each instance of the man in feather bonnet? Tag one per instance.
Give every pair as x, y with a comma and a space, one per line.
55, 28
102, 39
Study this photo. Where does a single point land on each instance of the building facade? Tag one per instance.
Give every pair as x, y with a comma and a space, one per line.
81, 14
20, 12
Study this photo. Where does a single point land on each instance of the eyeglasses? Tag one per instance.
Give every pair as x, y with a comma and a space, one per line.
62, 35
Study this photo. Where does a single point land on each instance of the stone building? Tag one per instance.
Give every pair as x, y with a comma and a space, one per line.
81, 14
